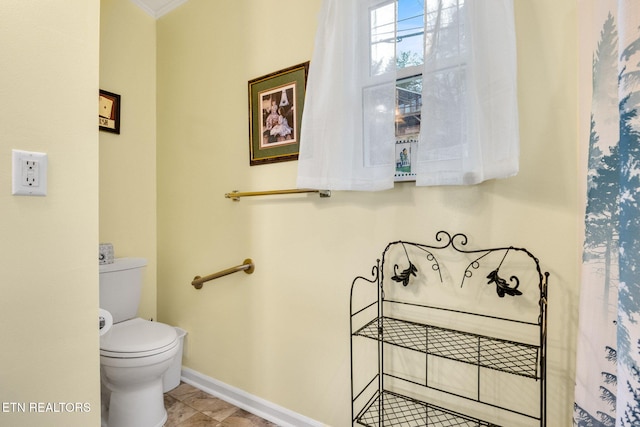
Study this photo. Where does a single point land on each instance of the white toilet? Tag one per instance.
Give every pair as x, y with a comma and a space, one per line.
134, 353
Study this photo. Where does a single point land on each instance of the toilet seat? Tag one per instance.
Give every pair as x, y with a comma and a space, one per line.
136, 338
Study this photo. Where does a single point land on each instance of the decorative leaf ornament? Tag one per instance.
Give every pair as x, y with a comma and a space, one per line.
405, 275
502, 287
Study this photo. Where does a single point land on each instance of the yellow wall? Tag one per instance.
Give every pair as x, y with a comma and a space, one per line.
128, 160
282, 333
48, 245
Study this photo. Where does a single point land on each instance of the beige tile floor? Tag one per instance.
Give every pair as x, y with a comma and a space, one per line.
188, 406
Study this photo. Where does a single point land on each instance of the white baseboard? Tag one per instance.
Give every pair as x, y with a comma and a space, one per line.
269, 411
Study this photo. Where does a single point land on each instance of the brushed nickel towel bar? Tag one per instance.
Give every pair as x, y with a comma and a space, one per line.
247, 266
235, 195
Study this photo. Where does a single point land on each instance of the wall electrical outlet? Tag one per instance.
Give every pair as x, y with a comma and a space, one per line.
29, 173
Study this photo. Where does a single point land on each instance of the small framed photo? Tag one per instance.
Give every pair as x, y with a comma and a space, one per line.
275, 113
406, 147
109, 112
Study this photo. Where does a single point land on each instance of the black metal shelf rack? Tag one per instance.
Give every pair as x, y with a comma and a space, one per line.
394, 315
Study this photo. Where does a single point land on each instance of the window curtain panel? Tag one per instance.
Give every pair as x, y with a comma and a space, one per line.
347, 131
469, 116
469, 130
607, 389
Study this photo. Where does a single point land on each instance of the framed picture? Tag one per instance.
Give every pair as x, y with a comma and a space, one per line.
405, 149
275, 113
109, 111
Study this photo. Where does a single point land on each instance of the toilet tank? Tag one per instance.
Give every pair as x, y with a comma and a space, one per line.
121, 286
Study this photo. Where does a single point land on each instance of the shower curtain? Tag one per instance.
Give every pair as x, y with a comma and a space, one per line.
607, 389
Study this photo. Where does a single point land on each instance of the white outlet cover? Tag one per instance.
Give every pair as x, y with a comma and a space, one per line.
29, 173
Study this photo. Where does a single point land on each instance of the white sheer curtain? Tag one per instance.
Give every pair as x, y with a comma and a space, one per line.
348, 120
469, 103
469, 115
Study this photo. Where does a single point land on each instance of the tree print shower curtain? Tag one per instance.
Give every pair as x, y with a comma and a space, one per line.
608, 358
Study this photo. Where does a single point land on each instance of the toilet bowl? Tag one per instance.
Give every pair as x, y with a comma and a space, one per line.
134, 353
134, 356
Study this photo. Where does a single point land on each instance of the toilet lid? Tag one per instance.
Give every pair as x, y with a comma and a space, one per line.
137, 338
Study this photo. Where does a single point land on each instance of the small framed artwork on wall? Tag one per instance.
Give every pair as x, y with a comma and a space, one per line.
275, 113
109, 111
406, 147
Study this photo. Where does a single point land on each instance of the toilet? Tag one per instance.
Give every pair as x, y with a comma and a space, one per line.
134, 353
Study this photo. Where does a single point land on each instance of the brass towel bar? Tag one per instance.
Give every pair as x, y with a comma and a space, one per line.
247, 266
235, 195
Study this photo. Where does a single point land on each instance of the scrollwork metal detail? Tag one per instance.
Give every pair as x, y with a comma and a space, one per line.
502, 287
458, 243
405, 275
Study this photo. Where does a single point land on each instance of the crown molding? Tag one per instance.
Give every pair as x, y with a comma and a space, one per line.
158, 8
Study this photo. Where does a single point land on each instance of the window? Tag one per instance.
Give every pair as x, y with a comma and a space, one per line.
438, 77
400, 34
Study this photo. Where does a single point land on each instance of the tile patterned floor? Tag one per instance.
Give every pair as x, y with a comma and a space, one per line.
188, 406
